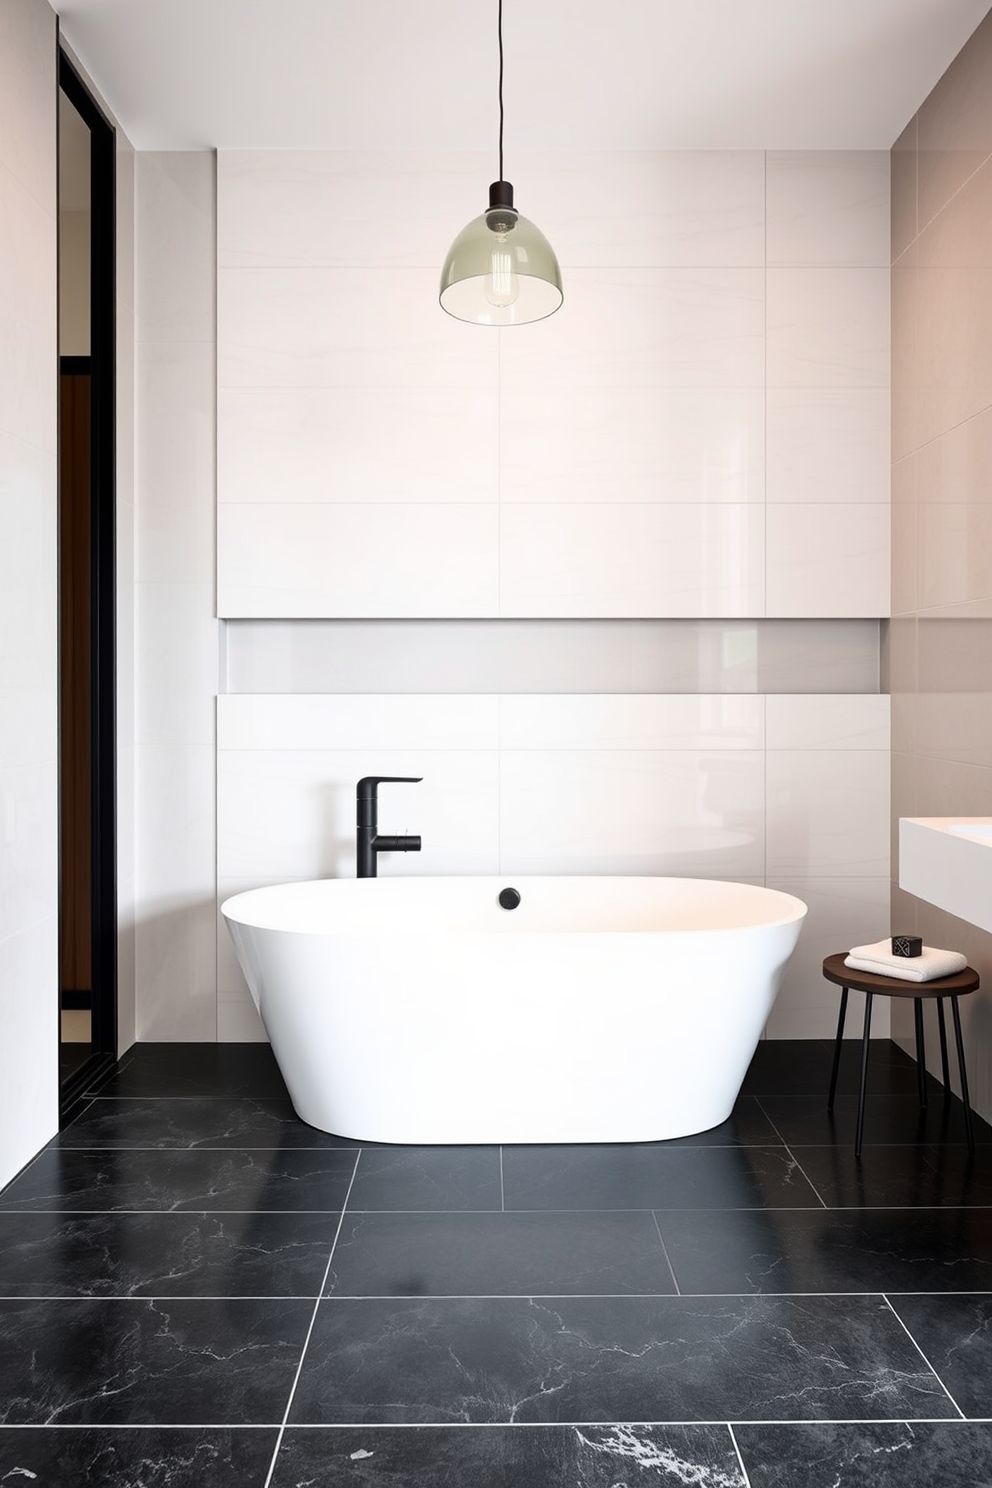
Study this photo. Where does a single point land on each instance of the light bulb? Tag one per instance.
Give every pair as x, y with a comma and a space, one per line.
502, 285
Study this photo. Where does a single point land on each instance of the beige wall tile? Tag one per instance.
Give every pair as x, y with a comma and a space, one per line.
955, 125
904, 189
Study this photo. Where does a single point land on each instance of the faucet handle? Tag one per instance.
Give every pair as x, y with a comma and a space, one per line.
368, 785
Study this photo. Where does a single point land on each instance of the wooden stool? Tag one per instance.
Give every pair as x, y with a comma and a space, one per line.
871, 984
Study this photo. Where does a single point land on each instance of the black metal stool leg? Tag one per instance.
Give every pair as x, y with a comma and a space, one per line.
837, 1048
921, 1053
964, 1078
942, 1026
864, 1076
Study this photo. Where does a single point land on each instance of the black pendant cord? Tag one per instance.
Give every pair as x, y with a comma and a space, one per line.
499, 28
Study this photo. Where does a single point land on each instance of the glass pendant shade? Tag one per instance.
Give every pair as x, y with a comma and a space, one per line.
501, 269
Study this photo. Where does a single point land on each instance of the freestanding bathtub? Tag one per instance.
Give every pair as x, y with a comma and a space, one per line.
420, 1010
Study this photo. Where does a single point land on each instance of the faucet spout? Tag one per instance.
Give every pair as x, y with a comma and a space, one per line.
370, 844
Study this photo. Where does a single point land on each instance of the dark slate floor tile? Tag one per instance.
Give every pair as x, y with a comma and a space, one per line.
955, 1334
427, 1178
473, 1255
802, 1066
889, 1119
215, 1070
206, 1179
509, 1457
892, 1454
193, 1121
609, 1359
150, 1362
747, 1126
64, 1457
662, 1176
164, 1255
898, 1176
873, 1250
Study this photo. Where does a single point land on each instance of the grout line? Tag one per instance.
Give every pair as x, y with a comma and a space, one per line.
664, 1247
740, 1459
885, 1299
808, 1179
503, 1425
313, 1319
502, 1190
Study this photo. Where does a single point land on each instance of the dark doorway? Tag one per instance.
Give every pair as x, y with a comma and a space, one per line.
87, 769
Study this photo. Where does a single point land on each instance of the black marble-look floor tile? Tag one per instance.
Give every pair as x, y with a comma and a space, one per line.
208, 1179
67, 1456
215, 1070
150, 1362
192, 1121
898, 1176
799, 1066
178, 1254
806, 1122
891, 1454
427, 1178
955, 1334
747, 1126
609, 1359
662, 1176
473, 1255
871, 1250
617, 1456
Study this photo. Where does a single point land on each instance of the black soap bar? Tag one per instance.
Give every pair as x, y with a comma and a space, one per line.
907, 945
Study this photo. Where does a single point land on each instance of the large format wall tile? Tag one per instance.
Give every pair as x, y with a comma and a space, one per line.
828, 327
827, 813
305, 327
828, 445
375, 560
699, 445
629, 560
828, 207
668, 327
341, 444
828, 560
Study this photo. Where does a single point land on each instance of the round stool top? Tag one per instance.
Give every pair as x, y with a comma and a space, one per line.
868, 981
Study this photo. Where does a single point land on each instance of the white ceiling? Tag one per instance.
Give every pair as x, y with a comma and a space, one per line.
580, 74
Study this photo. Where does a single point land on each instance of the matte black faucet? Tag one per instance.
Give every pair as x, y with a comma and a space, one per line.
370, 844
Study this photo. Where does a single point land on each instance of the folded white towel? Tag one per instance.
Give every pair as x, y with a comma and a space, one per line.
924, 968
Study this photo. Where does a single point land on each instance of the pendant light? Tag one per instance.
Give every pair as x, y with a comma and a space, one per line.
501, 269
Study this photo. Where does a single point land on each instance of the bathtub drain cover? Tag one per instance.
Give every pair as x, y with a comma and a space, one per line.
509, 898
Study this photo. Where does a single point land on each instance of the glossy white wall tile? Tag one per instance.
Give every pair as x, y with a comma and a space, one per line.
345, 723
692, 812
358, 445
827, 813
805, 721
828, 327
828, 445
629, 560
176, 460
330, 327
344, 207
630, 721
827, 560
291, 813
652, 445
176, 639
645, 327
843, 912
828, 207
374, 560
699, 207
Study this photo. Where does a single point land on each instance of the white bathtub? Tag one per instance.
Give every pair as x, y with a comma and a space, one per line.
599, 1010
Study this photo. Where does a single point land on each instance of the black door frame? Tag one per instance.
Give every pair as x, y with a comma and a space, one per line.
103, 574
